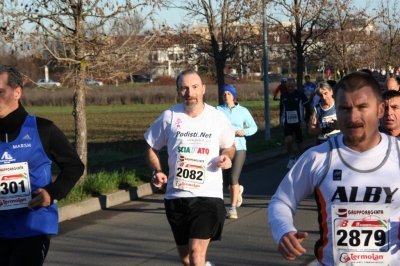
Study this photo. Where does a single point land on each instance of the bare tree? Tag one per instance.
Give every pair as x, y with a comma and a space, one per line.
308, 22
76, 33
388, 44
349, 41
227, 24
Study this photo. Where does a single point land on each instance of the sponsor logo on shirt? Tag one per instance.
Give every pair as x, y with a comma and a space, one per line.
337, 175
344, 257
6, 158
198, 150
189, 134
22, 146
367, 194
26, 137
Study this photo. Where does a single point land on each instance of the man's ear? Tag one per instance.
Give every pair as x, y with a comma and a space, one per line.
17, 93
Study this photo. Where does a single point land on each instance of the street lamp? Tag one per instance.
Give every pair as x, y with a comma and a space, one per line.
266, 79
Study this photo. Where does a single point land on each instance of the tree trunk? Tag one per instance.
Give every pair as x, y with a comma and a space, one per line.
299, 70
220, 79
219, 60
80, 124
80, 92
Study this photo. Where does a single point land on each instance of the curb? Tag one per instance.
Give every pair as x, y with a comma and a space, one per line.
105, 201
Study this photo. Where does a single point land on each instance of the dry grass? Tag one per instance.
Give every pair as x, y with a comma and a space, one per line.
133, 94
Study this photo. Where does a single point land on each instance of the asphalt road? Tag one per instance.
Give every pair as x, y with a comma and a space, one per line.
137, 232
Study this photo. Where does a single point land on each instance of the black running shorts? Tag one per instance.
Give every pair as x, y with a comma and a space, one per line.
290, 129
200, 218
30, 251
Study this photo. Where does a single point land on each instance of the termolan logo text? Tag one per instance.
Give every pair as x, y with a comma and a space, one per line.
189, 134
372, 256
23, 145
19, 200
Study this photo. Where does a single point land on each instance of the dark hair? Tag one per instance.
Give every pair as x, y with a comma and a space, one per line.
307, 76
14, 77
398, 80
332, 83
183, 73
366, 70
358, 80
390, 94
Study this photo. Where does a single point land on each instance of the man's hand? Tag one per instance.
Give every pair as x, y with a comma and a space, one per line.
276, 99
224, 162
290, 247
41, 199
159, 179
334, 124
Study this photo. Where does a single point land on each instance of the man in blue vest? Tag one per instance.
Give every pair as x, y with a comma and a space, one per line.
28, 146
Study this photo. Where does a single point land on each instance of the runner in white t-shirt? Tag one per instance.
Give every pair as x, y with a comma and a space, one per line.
355, 180
200, 142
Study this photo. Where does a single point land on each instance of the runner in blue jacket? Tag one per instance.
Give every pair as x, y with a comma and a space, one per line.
244, 125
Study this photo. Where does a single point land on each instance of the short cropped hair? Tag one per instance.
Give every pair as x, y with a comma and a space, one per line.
366, 70
183, 73
358, 80
15, 79
389, 94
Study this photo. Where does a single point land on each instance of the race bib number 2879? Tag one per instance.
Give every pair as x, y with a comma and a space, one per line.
361, 234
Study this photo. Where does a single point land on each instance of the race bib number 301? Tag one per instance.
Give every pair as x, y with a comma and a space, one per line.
15, 188
360, 234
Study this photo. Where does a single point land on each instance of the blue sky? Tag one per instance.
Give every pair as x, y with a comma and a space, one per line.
174, 16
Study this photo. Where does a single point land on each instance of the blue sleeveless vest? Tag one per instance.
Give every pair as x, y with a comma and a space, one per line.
22, 222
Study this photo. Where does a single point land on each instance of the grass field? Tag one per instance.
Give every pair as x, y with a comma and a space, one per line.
116, 132
117, 120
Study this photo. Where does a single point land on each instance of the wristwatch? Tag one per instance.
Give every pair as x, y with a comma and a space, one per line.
156, 171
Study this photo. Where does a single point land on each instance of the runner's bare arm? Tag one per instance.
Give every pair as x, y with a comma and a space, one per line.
314, 129
153, 161
230, 152
153, 158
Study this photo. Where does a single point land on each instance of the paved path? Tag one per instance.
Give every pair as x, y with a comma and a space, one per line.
137, 232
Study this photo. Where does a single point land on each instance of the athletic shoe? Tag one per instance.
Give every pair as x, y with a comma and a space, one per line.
291, 162
232, 214
240, 198
209, 263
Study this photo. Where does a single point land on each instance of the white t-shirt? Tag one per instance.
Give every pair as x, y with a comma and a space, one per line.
193, 150
351, 185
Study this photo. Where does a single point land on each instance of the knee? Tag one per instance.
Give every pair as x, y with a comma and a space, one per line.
288, 139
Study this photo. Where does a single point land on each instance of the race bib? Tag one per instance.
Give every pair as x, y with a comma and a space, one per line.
292, 117
15, 188
190, 172
360, 234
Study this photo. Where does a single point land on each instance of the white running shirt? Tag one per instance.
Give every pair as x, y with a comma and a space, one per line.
358, 201
193, 150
